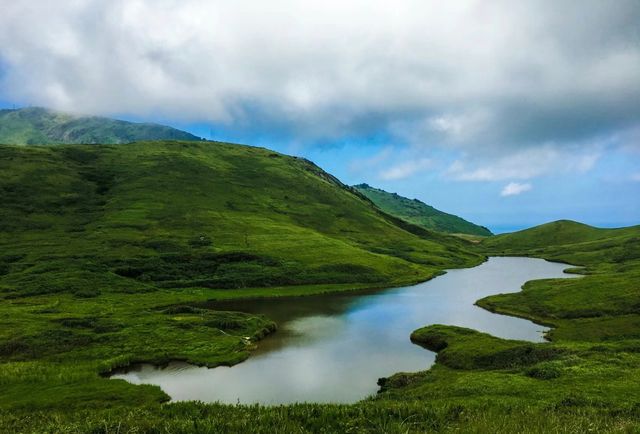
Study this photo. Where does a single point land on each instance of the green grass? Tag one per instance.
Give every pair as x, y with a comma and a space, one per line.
369, 417
106, 251
421, 214
593, 359
107, 248
182, 214
40, 126
602, 305
570, 242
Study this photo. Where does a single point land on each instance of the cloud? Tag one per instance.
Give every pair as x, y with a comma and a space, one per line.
511, 75
527, 163
514, 189
362, 164
405, 169
584, 163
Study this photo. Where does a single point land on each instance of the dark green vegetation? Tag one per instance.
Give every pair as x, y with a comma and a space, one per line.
136, 218
106, 248
602, 306
591, 366
41, 126
419, 213
105, 251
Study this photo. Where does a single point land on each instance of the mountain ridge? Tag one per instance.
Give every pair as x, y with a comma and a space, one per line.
569, 241
292, 222
41, 126
419, 213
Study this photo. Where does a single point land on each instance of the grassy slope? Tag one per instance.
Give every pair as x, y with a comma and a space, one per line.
101, 245
604, 305
421, 214
42, 126
586, 380
592, 365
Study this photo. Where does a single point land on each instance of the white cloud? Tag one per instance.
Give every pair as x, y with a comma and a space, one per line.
511, 72
584, 163
361, 164
405, 169
514, 189
527, 163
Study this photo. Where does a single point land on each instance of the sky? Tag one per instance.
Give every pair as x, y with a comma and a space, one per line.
509, 114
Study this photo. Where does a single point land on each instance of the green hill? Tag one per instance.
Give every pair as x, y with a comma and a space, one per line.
590, 366
419, 213
107, 253
189, 214
110, 255
569, 241
601, 306
41, 126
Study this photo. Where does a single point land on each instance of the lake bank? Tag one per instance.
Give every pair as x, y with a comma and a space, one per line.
333, 348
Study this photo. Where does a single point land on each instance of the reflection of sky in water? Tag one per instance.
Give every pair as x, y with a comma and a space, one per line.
333, 348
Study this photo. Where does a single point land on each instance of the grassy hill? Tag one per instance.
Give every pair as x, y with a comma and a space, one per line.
602, 305
41, 126
107, 253
105, 250
185, 214
419, 213
587, 374
569, 241
585, 380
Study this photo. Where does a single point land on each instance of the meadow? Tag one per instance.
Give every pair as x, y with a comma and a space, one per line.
109, 251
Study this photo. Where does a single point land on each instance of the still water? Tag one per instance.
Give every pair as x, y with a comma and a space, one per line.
333, 348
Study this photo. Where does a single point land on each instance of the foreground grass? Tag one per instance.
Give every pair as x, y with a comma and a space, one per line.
106, 253
384, 417
586, 382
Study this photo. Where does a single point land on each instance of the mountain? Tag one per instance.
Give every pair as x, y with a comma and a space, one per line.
569, 241
419, 213
198, 214
40, 126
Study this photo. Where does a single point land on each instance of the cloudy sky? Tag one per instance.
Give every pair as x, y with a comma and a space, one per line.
507, 113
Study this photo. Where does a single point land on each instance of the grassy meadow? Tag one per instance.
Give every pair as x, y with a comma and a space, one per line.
107, 249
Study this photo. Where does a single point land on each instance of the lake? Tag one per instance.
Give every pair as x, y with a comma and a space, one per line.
333, 348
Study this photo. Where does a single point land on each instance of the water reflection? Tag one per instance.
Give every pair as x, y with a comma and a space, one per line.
333, 348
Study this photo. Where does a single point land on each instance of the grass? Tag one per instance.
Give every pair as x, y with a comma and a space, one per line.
592, 362
370, 417
604, 305
421, 214
106, 251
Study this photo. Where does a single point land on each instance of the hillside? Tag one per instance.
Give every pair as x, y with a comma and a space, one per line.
586, 374
569, 241
584, 380
107, 249
112, 253
41, 126
166, 214
419, 213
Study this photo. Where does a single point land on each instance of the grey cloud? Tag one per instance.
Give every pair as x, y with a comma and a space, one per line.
472, 74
